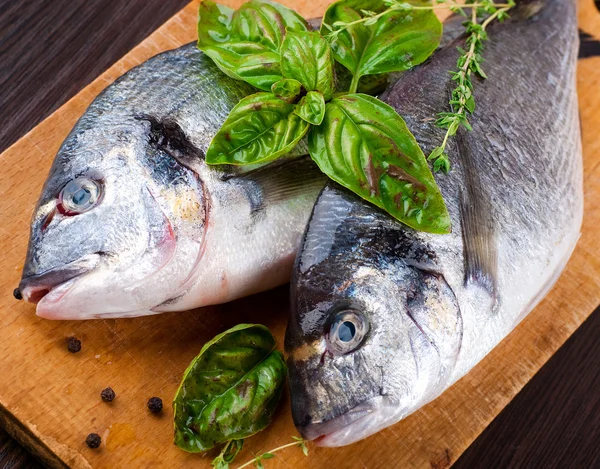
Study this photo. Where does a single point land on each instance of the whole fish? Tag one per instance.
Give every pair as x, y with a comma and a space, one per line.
131, 221
384, 318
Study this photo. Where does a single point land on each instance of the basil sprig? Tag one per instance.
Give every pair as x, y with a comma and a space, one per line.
357, 140
393, 42
230, 390
245, 43
260, 128
365, 146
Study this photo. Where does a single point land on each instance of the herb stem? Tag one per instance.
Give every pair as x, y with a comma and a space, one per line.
248, 463
354, 83
464, 71
462, 78
394, 6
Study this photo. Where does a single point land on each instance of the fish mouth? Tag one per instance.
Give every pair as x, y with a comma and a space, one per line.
332, 432
49, 285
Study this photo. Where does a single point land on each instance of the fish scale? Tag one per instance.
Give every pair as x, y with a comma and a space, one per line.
515, 198
167, 232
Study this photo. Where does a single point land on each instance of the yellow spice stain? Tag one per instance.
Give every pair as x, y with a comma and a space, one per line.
307, 351
120, 434
183, 203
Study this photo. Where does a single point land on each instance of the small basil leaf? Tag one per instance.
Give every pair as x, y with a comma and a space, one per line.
306, 57
287, 89
260, 128
364, 145
398, 40
237, 57
230, 390
311, 108
245, 43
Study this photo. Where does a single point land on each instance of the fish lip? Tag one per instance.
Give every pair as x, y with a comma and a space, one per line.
35, 287
320, 431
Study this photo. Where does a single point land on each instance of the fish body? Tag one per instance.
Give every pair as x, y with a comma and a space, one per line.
132, 221
385, 318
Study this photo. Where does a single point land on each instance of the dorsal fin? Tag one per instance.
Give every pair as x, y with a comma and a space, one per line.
477, 223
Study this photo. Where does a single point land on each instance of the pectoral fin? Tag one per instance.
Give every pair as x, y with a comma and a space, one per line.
286, 179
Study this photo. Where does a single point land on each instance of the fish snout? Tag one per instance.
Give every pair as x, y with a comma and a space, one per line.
317, 430
34, 287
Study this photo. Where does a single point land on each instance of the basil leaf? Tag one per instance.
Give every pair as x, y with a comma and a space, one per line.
398, 40
230, 390
265, 22
245, 43
260, 128
287, 89
306, 57
364, 145
311, 108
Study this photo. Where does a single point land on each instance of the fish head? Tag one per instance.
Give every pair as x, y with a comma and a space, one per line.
372, 334
109, 230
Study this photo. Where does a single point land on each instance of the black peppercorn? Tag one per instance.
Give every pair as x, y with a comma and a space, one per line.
93, 440
17, 294
108, 395
73, 344
155, 405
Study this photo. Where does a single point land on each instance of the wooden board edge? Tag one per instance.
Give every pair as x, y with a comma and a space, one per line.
48, 450
32, 441
56, 455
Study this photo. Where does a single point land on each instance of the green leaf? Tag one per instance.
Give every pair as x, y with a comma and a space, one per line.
267, 456
437, 151
442, 163
396, 41
364, 145
228, 453
245, 43
304, 448
230, 390
311, 108
306, 57
287, 89
470, 104
260, 128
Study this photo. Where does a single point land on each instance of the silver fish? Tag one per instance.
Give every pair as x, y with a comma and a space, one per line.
131, 221
384, 318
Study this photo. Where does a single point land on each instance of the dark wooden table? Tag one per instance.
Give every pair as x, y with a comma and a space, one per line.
49, 50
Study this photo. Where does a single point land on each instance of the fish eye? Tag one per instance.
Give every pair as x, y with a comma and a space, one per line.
347, 331
79, 195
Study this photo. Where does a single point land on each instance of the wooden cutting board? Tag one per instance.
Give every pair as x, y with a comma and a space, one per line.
49, 398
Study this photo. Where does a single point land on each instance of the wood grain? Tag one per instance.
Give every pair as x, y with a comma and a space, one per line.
54, 396
554, 422
50, 50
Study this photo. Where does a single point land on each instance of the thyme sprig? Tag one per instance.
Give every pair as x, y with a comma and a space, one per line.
228, 453
462, 101
257, 461
371, 17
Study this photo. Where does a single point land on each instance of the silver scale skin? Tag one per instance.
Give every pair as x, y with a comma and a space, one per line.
437, 304
170, 233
